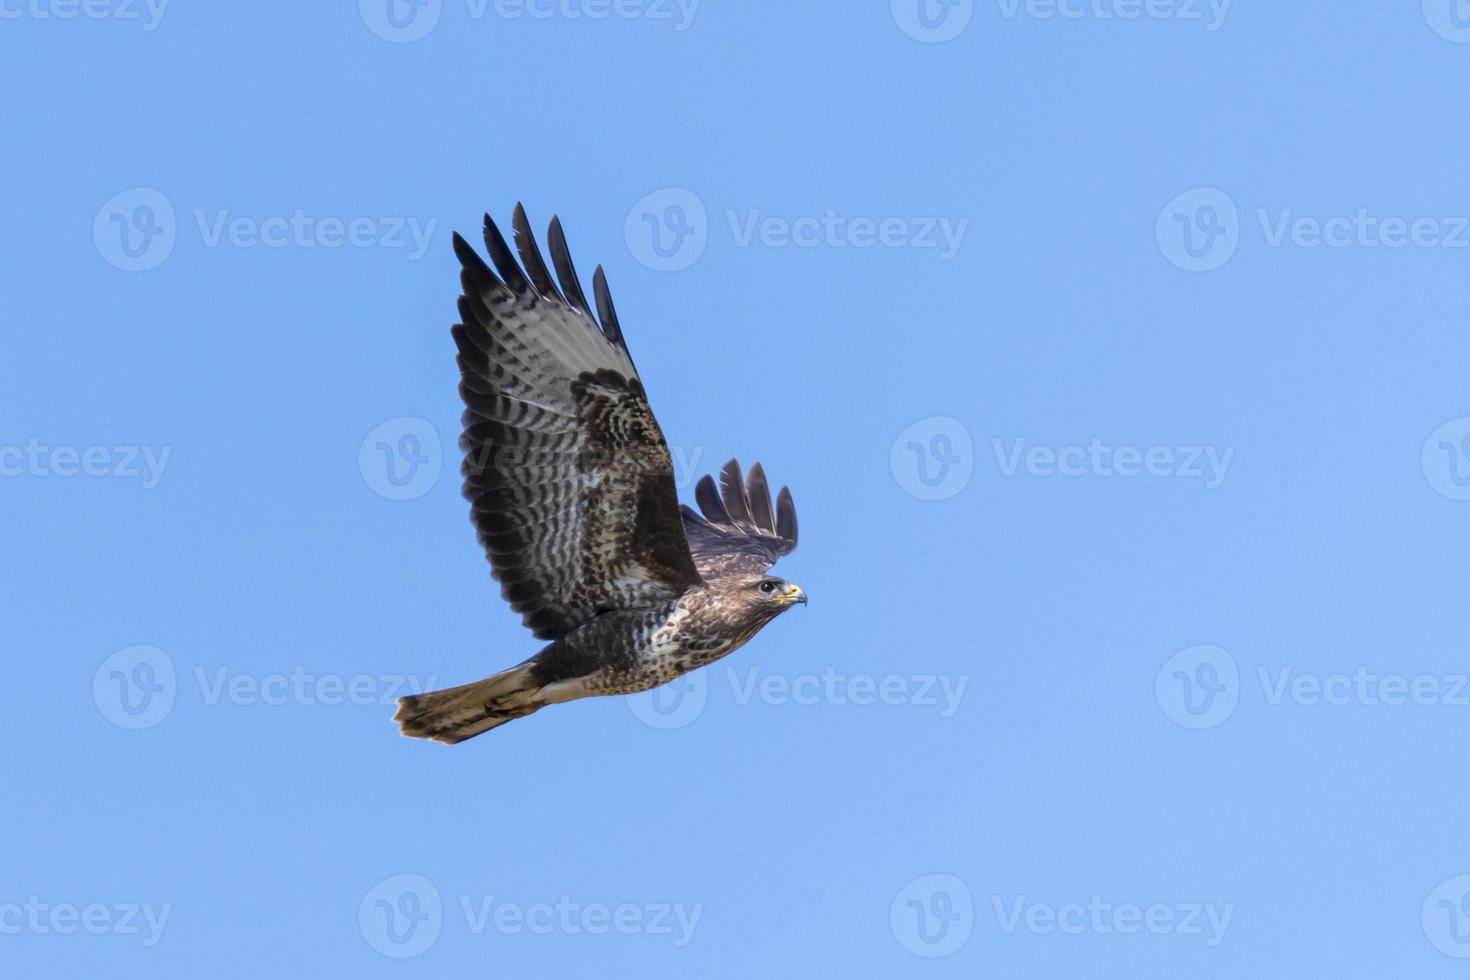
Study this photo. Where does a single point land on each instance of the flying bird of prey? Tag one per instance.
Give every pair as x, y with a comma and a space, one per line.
571, 491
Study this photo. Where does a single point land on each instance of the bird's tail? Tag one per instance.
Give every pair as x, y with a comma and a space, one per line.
458, 713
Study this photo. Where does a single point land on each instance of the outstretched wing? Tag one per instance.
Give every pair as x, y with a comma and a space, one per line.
739, 534
569, 480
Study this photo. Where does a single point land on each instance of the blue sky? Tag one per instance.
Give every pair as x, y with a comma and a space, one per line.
1115, 354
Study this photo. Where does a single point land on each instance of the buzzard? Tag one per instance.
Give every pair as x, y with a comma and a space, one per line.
571, 492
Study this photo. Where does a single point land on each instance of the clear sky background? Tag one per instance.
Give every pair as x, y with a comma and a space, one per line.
1115, 353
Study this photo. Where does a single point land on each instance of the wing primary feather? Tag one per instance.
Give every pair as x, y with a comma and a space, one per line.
566, 273
738, 533
709, 501
758, 496
531, 255
505, 262
605, 312
786, 518
473, 266
732, 489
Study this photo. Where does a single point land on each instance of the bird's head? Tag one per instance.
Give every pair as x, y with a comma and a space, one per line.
768, 596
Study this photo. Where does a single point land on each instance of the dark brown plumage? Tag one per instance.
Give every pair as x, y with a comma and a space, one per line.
572, 495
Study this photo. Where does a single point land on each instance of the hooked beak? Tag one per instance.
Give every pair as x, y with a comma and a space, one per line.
793, 595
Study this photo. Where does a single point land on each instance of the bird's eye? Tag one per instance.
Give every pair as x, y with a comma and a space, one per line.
768, 587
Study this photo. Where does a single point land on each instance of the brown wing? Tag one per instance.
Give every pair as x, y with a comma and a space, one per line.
738, 534
570, 483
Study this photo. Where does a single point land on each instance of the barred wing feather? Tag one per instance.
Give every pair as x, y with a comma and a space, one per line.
569, 480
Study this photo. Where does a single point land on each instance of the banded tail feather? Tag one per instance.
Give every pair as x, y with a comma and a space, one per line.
457, 713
